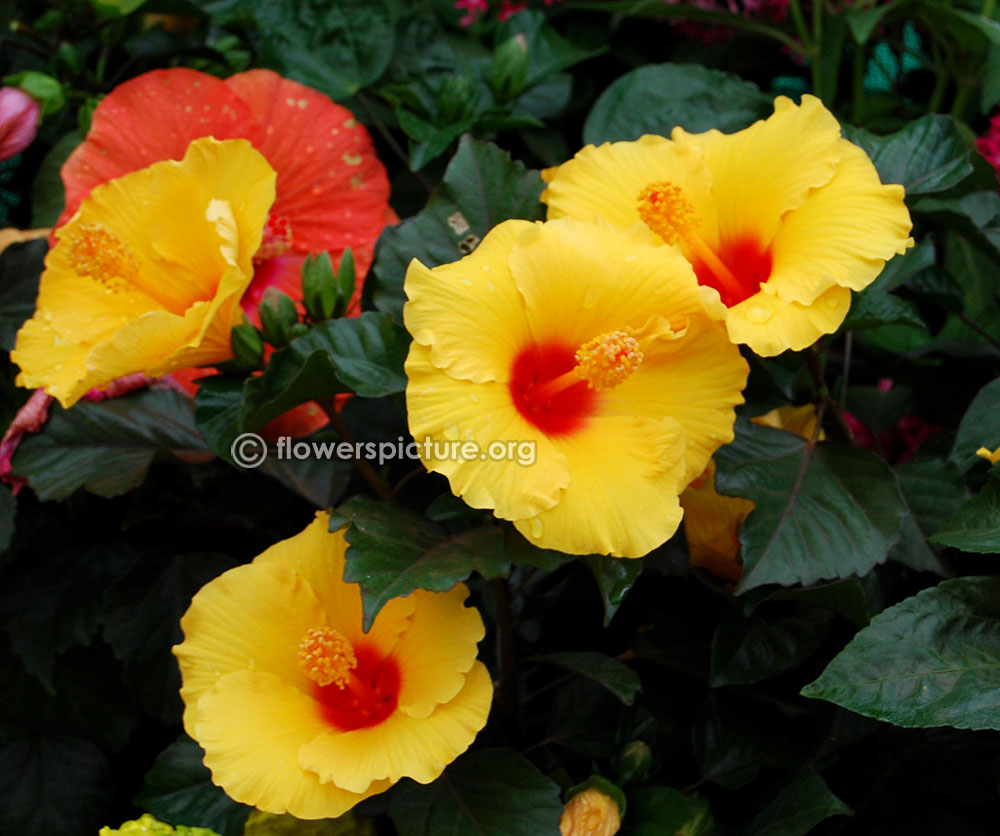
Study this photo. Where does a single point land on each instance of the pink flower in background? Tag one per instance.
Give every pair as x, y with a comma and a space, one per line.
472, 10
989, 145
18, 121
768, 10
510, 8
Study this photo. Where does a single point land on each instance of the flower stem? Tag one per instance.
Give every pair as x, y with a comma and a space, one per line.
507, 657
361, 465
839, 430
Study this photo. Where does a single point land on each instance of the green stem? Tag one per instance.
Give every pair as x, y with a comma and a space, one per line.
800, 26
962, 91
817, 41
988, 7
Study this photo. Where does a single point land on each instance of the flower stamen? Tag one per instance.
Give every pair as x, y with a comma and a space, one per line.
277, 238
603, 363
328, 659
665, 209
96, 252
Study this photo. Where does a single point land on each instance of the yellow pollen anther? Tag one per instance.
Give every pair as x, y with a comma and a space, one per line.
95, 251
327, 657
608, 360
665, 210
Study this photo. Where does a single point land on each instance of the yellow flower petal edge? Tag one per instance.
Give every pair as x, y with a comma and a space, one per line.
280, 681
597, 349
148, 274
780, 220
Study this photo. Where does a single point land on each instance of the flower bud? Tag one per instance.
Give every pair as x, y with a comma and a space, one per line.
18, 121
633, 762
277, 315
590, 812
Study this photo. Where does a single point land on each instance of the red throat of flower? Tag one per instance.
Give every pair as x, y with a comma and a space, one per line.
736, 268
354, 685
556, 388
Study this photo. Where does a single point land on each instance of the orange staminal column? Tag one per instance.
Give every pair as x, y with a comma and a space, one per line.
603, 362
665, 210
328, 659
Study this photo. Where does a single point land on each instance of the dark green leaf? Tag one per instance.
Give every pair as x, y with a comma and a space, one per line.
362, 354
616, 676
142, 623
870, 309
107, 447
846, 598
734, 740
20, 267
492, 792
482, 186
319, 480
749, 649
932, 490
337, 48
928, 155
614, 578
48, 198
55, 602
53, 786
664, 811
218, 403
523, 552
179, 790
980, 427
800, 806
975, 526
932, 660
822, 511
862, 22
394, 551
659, 97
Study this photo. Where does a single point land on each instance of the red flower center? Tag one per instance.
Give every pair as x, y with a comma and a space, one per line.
748, 261
565, 411
366, 701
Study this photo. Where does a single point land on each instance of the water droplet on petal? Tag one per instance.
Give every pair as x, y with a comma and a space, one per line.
451, 432
536, 527
474, 398
759, 316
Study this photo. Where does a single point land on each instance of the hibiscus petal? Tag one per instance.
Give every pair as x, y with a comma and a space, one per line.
251, 726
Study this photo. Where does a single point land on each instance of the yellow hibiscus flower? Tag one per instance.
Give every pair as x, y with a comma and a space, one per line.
712, 521
298, 710
589, 344
590, 813
782, 220
147, 276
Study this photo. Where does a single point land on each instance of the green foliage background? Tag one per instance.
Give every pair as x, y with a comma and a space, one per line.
849, 683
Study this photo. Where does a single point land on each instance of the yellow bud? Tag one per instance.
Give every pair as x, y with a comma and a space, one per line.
590, 813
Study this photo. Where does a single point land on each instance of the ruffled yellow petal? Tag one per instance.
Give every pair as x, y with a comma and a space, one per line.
582, 280
437, 650
842, 234
448, 411
148, 274
469, 312
992, 456
712, 527
697, 379
252, 726
403, 746
605, 181
769, 325
53, 361
318, 556
622, 497
249, 618
760, 173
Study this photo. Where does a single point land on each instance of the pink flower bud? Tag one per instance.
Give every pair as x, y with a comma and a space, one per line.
18, 121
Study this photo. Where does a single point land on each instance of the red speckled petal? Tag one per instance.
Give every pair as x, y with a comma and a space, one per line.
153, 117
332, 188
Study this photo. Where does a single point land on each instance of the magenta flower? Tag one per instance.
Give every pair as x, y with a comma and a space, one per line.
18, 121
